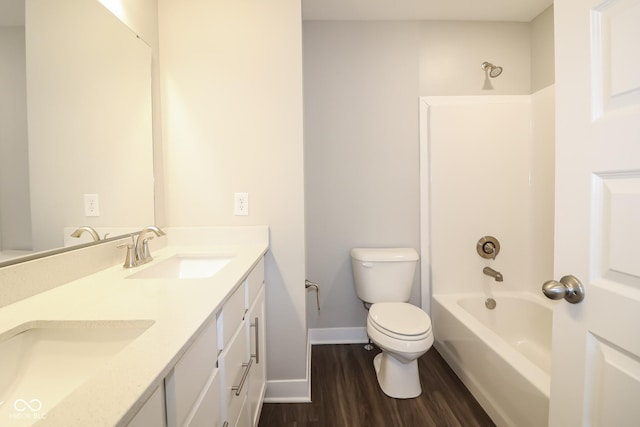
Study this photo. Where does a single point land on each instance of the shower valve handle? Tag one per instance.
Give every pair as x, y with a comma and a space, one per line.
569, 288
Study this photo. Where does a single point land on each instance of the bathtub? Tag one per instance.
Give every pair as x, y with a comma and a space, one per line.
503, 356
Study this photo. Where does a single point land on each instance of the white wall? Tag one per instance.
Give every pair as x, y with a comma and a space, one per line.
231, 76
542, 51
452, 54
362, 86
15, 227
361, 154
500, 186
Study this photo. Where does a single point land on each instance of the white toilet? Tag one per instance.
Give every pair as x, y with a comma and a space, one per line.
383, 278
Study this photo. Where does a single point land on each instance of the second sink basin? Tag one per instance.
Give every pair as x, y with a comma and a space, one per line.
44, 361
184, 266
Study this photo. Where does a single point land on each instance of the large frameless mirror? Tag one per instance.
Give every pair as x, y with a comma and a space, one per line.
75, 125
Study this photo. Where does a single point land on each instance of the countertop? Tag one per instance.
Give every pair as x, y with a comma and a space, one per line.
178, 308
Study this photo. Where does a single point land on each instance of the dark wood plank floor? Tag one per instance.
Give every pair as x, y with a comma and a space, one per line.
345, 393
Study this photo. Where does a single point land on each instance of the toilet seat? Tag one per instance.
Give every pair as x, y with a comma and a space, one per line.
400, 320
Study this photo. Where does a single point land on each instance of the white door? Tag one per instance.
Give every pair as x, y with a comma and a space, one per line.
596, 343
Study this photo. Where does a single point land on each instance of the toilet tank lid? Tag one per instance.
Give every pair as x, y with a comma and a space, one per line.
384, 254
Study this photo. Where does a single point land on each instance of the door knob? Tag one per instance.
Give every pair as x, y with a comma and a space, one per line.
569, 288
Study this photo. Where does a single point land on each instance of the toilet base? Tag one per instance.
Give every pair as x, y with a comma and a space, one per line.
397, 379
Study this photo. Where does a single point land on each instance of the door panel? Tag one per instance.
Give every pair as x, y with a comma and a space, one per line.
596, 343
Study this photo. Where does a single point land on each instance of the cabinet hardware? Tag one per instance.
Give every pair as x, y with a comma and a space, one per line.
256, 326
238, 388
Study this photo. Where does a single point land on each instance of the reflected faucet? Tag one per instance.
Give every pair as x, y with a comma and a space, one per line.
491, 272
90, 230
142, 244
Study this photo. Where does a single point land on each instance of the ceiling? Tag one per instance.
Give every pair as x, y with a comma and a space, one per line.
424, 10
12, 11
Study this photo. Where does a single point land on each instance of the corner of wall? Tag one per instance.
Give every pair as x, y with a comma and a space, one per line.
293, 390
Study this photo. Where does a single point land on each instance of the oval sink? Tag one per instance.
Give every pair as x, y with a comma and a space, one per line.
44, 361
184, 266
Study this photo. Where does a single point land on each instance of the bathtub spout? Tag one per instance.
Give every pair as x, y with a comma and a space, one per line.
491, 272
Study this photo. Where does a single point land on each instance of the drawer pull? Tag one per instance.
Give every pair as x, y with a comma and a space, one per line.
238, 388
226, 424
257, 355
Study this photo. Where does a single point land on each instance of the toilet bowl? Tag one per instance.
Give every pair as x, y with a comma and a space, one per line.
403, 333
383, 278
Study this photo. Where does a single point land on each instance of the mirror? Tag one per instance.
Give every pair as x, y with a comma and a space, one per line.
75, 120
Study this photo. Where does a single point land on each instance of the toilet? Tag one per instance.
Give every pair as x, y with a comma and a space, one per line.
383, 279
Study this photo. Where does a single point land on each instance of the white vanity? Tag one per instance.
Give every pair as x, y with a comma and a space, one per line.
190, 331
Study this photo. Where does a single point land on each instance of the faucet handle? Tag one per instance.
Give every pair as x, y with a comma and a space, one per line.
488, 247
130, 259
146, 253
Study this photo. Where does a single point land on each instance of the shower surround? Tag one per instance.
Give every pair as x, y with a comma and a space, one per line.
487, 168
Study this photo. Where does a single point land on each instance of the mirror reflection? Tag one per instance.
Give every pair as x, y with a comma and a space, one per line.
75, 125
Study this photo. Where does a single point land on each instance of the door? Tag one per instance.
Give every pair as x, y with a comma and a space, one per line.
596, 343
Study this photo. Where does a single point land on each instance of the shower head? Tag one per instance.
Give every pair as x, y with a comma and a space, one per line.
494, 70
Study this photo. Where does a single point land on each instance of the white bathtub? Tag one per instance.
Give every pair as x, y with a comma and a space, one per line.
503, 355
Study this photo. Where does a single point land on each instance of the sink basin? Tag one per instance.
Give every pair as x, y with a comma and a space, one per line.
44, 361
191, 266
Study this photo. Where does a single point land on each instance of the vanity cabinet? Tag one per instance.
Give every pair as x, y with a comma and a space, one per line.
153, 411
220, 381
258, 374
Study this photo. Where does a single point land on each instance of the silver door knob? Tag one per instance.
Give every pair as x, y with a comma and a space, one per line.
569, 288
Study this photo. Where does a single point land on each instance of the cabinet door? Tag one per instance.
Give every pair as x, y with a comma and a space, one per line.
209, 408
152, 413
186, 382
235, 368
257, 344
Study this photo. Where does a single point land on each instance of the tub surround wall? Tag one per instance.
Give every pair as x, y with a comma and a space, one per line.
502, 186
499, 187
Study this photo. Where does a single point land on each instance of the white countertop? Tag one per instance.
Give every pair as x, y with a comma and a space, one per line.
179, 309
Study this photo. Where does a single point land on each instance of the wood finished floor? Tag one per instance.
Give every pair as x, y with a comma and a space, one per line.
345, 393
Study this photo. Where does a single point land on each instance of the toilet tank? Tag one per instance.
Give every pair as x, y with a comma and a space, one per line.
384, 274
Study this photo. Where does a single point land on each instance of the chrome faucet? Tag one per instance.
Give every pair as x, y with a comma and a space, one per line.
142, 244
491, 272
90, 230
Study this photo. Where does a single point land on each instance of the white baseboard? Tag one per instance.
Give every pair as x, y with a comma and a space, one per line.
354, 335
299, 390
291, 391
288, 391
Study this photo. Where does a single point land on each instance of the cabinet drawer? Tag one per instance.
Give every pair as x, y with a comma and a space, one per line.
207, 411
190, 375
243, 417
231, 317
233, 365
254, 282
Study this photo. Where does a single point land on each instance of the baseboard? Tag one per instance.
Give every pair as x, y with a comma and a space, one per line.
354, 335
291, 391
299, 390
